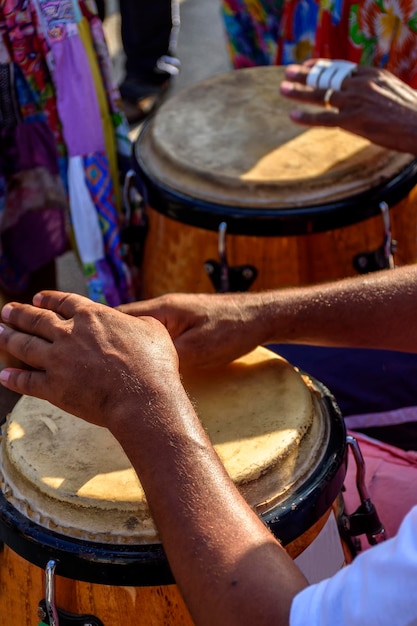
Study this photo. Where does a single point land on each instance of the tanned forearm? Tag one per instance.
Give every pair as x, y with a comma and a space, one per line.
229, 567
225, 581
376, 311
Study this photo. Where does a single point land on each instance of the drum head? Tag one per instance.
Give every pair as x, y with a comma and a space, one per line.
67, 485
229, 141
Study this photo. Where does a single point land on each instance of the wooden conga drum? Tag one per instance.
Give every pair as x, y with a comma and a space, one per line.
70, 496
298, 205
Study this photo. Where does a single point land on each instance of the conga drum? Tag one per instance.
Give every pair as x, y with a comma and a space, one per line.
77, 533
230, 183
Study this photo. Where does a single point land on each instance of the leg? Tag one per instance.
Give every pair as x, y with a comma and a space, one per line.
101, 8
146, 36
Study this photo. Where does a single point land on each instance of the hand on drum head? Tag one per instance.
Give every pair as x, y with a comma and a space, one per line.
207, 329
86, 358
371, 102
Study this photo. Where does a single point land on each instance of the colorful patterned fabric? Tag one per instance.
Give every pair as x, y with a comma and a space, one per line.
58, 102
382, 33
252, 28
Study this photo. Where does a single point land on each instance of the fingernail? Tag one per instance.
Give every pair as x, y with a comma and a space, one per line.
37, 299
296, 115
5, 312
286, 87
4, 376
291, 72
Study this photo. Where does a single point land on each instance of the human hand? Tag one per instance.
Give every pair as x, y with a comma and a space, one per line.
372, 103
207, 329
87, 358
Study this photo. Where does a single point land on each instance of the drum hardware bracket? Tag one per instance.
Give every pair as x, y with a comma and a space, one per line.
224, 277
383, 257
50, 615
135, 221
239, 277
365, 519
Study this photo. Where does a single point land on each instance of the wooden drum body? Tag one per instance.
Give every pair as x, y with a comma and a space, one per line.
68, 494
299, 204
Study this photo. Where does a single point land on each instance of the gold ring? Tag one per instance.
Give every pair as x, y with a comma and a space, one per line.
326, 99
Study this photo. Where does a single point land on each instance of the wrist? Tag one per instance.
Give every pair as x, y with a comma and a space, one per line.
156, 406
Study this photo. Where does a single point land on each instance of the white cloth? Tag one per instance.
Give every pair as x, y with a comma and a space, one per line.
84, 216
327, 74
378, 589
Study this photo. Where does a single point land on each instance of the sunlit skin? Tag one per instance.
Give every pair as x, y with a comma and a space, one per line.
134, 389
370, 102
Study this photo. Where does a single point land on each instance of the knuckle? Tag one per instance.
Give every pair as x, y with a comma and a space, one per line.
29, 382
27, 347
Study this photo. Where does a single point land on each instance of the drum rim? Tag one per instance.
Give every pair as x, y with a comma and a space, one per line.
301, 509
146, 564
275, 221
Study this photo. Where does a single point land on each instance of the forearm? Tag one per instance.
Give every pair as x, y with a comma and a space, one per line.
375, 311
227, 564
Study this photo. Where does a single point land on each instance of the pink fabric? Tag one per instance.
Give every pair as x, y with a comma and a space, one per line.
391, 478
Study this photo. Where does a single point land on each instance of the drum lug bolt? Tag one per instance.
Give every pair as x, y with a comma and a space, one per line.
247, 273
208, 267
41, 613
345, 523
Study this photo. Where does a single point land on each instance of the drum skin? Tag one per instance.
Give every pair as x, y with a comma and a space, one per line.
299, 203
133, 584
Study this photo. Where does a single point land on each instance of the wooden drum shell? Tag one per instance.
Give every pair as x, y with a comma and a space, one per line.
175, 253
299, 203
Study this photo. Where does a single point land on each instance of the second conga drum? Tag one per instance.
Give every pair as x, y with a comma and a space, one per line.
69, 494
296, 205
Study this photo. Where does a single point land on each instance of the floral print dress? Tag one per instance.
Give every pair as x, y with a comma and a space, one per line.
382, 33
63, 146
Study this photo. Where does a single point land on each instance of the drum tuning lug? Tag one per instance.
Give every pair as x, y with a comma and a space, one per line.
50, 614
50, 608
135, 221
375, 260
383, 257
67, 619
239, 278
365, 519
224, 277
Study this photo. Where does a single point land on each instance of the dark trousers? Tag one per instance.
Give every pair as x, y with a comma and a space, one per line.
146, 31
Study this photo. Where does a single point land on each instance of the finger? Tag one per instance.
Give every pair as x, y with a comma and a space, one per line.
28, 348
310, 95
327, 117
24, 382
62, 303
297, 73
32, 320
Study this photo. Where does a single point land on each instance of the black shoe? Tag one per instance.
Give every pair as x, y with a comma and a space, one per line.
140, 97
